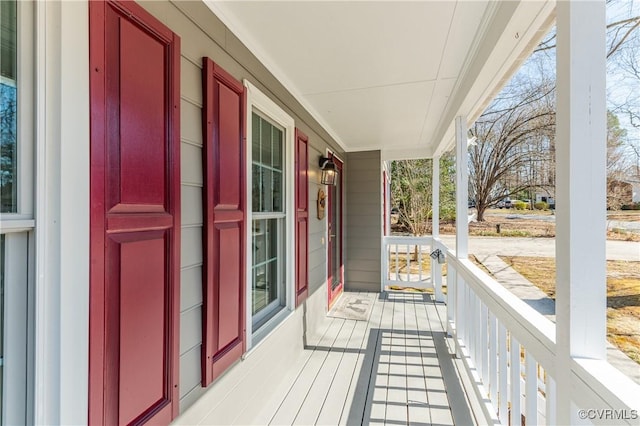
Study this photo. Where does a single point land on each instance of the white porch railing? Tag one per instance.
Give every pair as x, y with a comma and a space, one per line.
407, 262
509, 348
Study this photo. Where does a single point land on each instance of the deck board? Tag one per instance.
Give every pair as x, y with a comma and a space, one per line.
317, 394
393, 369
343, 386
288, 410
354, 407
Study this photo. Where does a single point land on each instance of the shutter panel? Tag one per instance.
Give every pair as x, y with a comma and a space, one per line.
224, 225
302, 217
135, 216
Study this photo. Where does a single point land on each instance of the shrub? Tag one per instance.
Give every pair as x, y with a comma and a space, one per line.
633, 206
520, 205
541, 205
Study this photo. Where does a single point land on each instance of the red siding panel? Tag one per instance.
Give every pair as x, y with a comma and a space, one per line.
135, 217
302, 216
223, 331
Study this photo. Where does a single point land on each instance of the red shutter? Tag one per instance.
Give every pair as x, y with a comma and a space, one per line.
302, 217
135, 216
224, 225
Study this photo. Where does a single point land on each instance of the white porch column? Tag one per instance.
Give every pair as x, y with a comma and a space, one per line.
462, 189
435, 197
580, 192
436, 268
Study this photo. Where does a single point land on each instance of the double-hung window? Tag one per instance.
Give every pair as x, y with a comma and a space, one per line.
268, 218
16, 208
271, 233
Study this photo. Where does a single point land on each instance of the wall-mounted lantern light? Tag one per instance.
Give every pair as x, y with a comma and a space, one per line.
328, 171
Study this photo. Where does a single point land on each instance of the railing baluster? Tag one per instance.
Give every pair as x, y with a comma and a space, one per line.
462, 287
397, 264
469, 318
531, 390
516, 413
420, 264
493, 359
484, 312
502, 373
471, 325
550, 401
408, 262
452, 301
478, 330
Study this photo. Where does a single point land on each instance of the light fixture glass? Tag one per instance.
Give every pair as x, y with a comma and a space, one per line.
329, 171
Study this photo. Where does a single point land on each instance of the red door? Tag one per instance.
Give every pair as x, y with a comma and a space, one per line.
336, 264
135, 220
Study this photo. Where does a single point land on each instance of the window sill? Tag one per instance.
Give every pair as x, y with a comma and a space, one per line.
268, 329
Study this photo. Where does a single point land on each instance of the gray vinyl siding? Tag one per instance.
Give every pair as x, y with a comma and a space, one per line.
364, 221
203, 34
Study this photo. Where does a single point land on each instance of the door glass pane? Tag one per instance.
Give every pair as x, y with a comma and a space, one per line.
8, 108
336, 261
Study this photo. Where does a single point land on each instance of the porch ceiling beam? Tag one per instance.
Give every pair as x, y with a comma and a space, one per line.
581, 192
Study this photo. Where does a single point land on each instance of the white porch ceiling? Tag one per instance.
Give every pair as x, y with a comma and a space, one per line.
389, 75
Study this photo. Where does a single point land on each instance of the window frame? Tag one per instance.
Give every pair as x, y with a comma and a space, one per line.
17, 229
268, 109
23, 219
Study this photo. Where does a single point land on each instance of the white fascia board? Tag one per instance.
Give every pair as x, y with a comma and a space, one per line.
389, 154
480, 81
263, 57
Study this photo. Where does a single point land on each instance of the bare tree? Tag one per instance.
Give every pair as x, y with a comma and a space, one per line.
513, 135
516, 140
617, 164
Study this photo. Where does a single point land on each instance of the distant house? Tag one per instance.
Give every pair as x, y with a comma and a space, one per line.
621, 192
545, 197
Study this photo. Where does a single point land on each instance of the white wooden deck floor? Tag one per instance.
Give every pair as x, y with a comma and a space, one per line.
393, 369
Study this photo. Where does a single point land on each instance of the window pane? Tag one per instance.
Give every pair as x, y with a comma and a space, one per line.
8, 108
255, 138
265, 142
267, 199
256, 193
277, 191
259, 288
259, 241
276, 148
267, 264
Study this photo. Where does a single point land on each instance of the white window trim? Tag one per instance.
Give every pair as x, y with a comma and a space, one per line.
25, 85
18, 351
256, 99
17, 228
